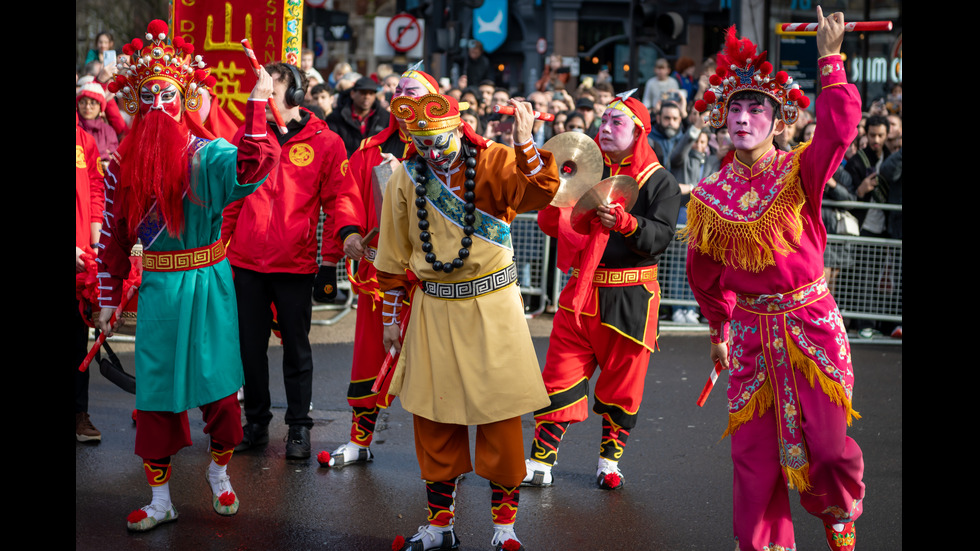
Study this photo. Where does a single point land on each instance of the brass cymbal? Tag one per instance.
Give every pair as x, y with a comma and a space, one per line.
603, 193
579, 165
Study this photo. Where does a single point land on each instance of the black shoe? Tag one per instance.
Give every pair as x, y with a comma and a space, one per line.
255, 435
298, 442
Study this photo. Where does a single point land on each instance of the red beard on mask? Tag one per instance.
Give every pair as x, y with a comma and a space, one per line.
154, 166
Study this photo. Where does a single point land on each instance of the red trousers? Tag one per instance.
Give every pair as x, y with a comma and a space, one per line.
369, 354
573, 355
161, 434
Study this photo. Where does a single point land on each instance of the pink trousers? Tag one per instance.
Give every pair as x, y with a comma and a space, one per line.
761, 498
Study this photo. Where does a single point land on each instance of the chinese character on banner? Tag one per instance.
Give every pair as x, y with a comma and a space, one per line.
216, 29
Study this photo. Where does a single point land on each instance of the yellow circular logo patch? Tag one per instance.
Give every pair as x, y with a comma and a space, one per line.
79, 157
343, 167
301, 154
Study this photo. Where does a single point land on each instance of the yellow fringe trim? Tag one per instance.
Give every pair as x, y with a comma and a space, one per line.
798, 478
750, 245
830, 387
762, 400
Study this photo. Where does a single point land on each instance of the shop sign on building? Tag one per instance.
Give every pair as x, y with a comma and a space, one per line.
216, 29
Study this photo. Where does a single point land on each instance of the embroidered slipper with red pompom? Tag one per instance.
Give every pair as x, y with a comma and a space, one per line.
611, 481
141, 521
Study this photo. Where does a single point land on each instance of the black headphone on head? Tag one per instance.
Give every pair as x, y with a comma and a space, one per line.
295, 94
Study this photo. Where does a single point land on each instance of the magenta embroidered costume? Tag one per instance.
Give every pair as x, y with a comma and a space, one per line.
755, 264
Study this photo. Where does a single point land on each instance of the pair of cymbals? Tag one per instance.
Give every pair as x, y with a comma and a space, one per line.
580, 166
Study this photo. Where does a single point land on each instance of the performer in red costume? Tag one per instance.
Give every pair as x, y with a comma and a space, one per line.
168, 190
467, 357
89, 204
755, 264
358, 211
607, 315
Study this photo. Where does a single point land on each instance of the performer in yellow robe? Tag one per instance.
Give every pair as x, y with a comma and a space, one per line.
467, 357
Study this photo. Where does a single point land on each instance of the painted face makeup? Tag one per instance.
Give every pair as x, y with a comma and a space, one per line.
616, 132
750, 123
439, 150
160, 94
410, 87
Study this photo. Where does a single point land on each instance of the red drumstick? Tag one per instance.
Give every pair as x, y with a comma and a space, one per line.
712, 377
101, 338
255, 65
854, 26
508, 110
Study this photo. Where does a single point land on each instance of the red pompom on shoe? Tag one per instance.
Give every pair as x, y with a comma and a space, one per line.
136, 516
226, 499
398, 543
612, 480
323, 458
511, 545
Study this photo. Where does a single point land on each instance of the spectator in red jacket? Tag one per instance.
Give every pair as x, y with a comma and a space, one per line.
273, 249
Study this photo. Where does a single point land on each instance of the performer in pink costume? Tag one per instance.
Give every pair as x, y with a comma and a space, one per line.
755, 264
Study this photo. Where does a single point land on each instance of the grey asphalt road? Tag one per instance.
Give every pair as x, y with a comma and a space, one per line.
678, 493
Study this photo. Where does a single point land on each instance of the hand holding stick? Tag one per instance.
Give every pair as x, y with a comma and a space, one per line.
258, 68
853, 26
509, 110
709, 384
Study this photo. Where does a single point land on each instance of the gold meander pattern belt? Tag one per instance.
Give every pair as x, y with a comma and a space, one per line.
473, 288
189, 259
623, 277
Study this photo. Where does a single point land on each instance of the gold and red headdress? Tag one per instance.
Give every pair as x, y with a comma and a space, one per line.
740, 69
174, 63
428, 115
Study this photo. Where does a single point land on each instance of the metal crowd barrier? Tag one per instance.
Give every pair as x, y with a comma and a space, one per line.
532, 255
865, 275
343, 284
866, 281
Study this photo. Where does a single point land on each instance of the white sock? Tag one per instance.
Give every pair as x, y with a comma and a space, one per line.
502, 533
538, 466
607, 465
161, 501
218, 478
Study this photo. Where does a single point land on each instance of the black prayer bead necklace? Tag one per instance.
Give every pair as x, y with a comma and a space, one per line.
469, 196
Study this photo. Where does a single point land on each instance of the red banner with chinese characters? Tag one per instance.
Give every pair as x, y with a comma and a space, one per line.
216, 29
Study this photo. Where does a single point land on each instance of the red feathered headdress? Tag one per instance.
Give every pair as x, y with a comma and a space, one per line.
740, 69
